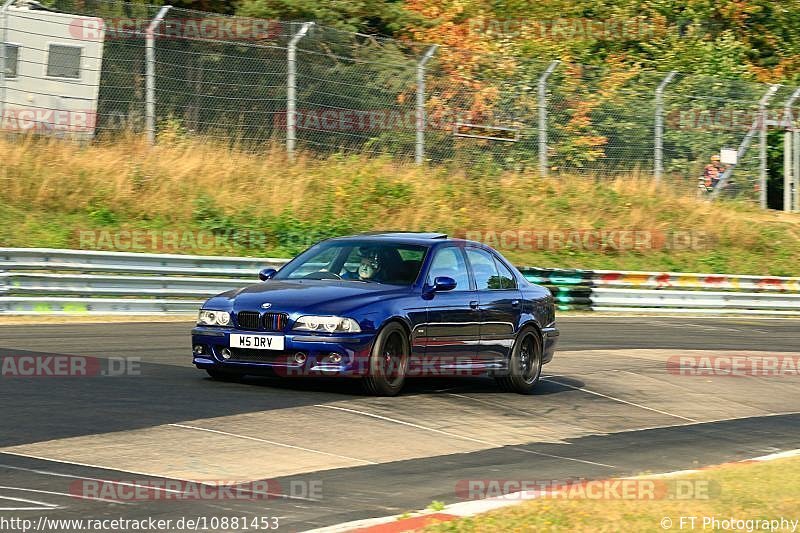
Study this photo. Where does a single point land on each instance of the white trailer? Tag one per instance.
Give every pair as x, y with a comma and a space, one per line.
52, 71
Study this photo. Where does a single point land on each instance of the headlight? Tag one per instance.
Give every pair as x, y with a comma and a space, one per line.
329, 324
213, 318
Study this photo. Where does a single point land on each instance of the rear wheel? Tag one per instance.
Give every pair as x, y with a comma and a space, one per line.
525, 364
223, 375
388, 362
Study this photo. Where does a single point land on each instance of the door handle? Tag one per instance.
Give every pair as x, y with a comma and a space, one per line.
515, 303
473, 304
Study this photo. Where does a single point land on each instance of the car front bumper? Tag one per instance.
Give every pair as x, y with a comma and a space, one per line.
354, 349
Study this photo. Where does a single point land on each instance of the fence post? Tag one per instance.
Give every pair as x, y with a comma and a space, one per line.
3, 39
790, 177
542, 92
788, 170
658, 150
150, 74
419, 148
291, 88
796, 165
762, 144
745, 144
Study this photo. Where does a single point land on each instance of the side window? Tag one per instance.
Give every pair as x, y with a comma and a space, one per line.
505, 279
483, 268
12, 59
449, 262
64, 61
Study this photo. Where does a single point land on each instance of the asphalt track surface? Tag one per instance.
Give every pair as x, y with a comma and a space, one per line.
609, 406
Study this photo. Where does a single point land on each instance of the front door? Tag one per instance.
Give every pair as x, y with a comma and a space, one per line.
452, 331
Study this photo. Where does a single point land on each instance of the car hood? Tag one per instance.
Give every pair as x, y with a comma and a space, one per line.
307, 296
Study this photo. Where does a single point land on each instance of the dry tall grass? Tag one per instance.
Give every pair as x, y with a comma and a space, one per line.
141, 183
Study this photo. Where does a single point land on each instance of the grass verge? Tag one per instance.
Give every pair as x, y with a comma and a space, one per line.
750, 491
193, 197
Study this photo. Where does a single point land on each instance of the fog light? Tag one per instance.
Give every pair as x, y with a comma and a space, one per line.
226, 353
335, 358
198, 349
300, 358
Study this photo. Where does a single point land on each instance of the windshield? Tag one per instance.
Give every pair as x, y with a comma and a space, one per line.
367, 261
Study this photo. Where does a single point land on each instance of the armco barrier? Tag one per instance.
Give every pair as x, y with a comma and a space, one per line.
659, 280
45, 259
41, 280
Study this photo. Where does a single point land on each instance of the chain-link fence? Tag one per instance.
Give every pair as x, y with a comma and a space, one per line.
101, 68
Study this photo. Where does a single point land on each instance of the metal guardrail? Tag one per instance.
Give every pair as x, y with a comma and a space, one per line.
26, 305
646, 292
33, 259
41, 280
636, 299
659, 280
22, 284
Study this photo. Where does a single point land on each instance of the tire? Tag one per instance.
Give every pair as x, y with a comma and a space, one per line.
388, 362
222, 375
525, 364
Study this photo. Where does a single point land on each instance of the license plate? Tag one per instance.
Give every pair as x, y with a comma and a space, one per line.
257, 342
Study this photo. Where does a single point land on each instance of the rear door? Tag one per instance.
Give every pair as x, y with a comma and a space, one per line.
500, 304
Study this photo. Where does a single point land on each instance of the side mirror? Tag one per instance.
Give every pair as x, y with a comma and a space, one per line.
266, 273
443, 284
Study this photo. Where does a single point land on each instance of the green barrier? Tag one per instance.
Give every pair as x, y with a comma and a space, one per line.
556, 276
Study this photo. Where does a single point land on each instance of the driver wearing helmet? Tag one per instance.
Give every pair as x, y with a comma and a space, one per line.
370, 267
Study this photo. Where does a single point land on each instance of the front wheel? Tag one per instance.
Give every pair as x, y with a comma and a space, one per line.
525, 364
388, 362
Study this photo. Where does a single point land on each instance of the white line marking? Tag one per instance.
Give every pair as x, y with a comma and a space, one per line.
486, 402
621, 400
457, 436
779, 455
126, 484
702, 422
256, 439
690, 390
41, 506
149, 487
109, 481
690, 325
89, 465
79, 496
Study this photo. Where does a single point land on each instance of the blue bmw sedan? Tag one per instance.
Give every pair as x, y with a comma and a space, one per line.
382, 308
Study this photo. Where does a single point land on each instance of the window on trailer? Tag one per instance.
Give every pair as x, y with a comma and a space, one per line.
12, 58
64, 61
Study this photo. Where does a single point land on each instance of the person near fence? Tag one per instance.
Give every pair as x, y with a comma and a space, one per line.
713, 172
